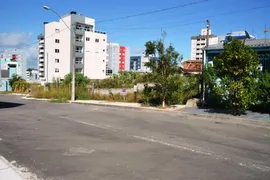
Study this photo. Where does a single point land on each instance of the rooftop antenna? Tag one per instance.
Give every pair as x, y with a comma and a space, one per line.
265, 34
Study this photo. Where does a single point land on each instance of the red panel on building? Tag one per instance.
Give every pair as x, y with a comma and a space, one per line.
122, 58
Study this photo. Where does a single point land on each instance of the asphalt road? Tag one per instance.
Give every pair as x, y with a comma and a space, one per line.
71, 141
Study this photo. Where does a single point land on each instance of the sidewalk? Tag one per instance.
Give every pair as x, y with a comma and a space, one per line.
253, 116
8, 171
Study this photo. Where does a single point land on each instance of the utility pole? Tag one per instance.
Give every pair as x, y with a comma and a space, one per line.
163, 34
73, 64
203, 62
265, 34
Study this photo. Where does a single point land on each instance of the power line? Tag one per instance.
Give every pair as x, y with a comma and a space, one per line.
203, 18
152, 12
211, 16
158, 27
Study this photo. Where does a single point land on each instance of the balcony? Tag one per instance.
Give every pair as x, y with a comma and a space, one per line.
41, 41
41, 50
41, 55
41, 46
41, 59
41, 69
41, 64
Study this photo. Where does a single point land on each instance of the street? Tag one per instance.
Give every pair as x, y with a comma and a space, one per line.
72, 141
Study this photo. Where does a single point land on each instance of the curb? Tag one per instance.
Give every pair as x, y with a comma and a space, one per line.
13, 168
177, 110
125, 107
250, 121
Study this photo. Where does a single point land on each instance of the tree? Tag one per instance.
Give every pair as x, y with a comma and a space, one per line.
164, 65
80, 79
263, 92
15, 78
236, 71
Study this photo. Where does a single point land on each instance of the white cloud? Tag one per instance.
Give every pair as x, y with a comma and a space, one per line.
137, 51
31, 54
14, 39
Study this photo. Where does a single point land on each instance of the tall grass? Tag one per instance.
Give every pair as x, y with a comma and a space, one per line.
63, 94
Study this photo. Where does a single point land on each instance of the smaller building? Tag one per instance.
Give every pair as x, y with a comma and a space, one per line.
11, 62
261, 46
192, 67
137, 63
199, 42
32, 75
118, 58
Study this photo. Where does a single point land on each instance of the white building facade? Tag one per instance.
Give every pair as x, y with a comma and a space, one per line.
113, 50
199, 42
118, 58
14, 58
59, 44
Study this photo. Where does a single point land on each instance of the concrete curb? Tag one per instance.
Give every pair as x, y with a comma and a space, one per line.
254, 122
176, 110
126, 107
11, 171
36, 99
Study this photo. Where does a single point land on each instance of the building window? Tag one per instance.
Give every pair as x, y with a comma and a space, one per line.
79, 38
78, 70
56, 60
57, 41
87, 39
104, 40
97, 40
103, 50
57, 30
78, 27
79, 49
56, 51
56, 70
202, 44
103, 60
78, 60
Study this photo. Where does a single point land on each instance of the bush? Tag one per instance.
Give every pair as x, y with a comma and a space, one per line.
263, 93
20, 86
181, 89
121, 80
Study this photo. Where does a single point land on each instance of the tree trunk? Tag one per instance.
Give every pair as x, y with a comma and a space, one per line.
163, 102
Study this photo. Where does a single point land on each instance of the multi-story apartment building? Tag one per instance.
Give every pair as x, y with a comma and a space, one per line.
41, 58
124, 58
32, 75
118, 58
199, 42
11, 62
137, 63
60, 43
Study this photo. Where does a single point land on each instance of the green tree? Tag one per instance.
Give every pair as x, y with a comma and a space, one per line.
15, 78
236, 72
165, 70
263, 91
80, 79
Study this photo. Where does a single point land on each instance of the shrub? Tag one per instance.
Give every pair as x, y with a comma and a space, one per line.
20, 86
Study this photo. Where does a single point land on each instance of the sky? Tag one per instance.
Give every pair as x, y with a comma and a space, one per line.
22, 21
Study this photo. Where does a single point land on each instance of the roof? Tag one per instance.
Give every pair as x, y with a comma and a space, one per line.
249, 42
198, 37
192, 61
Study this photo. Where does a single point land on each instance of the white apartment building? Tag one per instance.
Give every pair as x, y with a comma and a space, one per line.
41, 58
113, 51
90, 49
199, 42
118, 58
